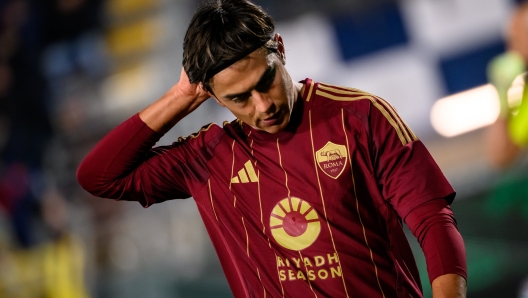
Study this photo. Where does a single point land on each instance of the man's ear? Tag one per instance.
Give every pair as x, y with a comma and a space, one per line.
280, 47
212, 95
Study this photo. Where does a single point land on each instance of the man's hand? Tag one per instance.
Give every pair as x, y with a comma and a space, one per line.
188, 90
178, 102
449, 286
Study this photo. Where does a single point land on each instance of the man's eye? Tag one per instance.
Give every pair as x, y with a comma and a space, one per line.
241, 98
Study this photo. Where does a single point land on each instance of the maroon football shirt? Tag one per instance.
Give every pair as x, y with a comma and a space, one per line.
314, 210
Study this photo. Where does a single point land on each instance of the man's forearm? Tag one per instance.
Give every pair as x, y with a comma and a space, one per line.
434, 226
449, 286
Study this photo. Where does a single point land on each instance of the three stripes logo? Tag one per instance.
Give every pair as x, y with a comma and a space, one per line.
246, 174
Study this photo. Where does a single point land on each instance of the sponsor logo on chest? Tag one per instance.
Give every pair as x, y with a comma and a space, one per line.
295, 225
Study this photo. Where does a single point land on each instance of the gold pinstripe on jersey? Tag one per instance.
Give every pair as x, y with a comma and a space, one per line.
357, 204
232, 163
323, 201
263, 288
309, 283
263, 225
247, 236
254, 178
310, 90
211, 198
278, 274
285, 174
232, 168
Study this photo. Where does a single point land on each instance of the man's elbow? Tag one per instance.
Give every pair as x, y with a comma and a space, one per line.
87, 179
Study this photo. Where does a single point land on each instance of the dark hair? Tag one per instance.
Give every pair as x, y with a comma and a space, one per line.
222, 32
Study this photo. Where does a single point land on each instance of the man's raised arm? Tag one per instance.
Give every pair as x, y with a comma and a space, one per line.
123, 164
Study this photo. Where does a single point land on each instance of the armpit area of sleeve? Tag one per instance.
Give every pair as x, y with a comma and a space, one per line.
412, 178
448, 194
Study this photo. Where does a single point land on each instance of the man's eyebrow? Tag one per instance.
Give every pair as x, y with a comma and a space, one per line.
269, 71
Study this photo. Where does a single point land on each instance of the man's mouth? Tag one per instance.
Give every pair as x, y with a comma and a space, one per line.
272, 120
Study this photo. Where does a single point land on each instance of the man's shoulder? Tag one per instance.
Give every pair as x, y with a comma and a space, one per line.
351, 99
211, 134
333, 95
204, 136
328, 98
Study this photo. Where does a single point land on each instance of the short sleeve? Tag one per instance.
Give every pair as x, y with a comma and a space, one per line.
406, 172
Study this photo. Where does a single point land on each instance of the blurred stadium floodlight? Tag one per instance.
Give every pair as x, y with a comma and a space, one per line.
473, 109
465, 111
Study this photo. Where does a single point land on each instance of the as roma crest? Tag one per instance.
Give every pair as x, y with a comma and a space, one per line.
332, 159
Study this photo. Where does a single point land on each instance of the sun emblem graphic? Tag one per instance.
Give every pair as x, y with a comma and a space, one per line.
294, 224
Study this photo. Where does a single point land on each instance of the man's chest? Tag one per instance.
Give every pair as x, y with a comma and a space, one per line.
289, 185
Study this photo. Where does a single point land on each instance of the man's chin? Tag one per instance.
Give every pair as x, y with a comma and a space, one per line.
272, 130
275, 128
280, 124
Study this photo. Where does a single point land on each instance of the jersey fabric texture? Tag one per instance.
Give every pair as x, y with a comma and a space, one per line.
313, 210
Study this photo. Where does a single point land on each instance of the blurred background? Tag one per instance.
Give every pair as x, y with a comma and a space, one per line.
71, 70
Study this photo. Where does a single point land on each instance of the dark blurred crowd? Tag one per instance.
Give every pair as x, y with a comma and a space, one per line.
43, 43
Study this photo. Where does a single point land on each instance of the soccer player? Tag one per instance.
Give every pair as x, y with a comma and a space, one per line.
303, 194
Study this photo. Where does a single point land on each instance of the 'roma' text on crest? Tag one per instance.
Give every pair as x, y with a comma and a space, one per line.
332, 159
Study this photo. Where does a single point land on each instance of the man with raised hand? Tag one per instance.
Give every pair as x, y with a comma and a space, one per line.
304, 193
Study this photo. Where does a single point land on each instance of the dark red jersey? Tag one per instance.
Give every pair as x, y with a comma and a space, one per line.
312, 211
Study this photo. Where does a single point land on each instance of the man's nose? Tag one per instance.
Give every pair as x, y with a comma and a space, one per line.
262, 102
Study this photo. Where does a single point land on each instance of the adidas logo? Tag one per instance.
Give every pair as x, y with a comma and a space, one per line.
246, 174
